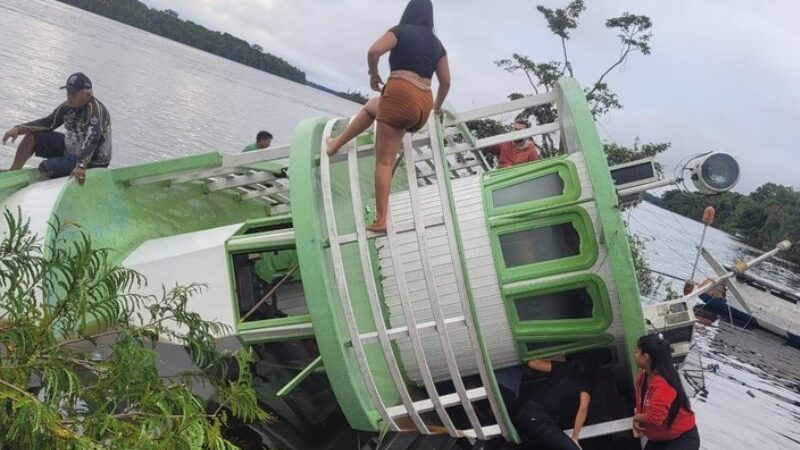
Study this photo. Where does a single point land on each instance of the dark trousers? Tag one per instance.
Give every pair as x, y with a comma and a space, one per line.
536, 426
545, 435
687, 441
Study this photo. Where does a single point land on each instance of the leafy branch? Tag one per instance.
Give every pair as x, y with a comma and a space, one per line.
78, 359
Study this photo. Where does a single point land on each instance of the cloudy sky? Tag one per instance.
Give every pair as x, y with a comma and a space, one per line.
723, 75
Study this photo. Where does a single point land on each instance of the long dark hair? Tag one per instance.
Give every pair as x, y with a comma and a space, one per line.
661, 362
418, 12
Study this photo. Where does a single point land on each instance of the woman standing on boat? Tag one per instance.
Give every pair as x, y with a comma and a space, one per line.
663, 412
406, 99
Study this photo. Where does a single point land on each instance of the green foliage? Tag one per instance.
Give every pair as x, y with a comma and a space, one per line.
78, 361
354, 96
634, 34
762, 218
562, 20
167, 24
619, 154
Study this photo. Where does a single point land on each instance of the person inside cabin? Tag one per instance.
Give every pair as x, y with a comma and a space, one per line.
518, 151
263, 141
559, 395
85, 143
663, 412
406, 99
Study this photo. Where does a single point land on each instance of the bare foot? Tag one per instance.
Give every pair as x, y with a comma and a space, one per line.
377, 227
333, 147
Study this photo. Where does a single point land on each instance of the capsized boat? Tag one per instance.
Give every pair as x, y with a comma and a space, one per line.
480, 269
763, 305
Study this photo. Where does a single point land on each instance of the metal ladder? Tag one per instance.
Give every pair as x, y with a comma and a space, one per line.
237, 174
439, 165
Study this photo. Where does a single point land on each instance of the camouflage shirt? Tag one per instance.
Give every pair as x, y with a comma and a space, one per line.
87, 131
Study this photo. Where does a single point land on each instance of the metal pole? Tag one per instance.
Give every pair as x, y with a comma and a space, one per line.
708, 219
697, 256
269, 294
741, 266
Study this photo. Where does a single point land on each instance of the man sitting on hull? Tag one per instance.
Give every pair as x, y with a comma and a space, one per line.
86, 142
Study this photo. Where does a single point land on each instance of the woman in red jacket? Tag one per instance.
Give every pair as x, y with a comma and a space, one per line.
663, 412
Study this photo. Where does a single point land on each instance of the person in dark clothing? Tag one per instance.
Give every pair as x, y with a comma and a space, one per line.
563, 396
663, 411
86, 142
406, 99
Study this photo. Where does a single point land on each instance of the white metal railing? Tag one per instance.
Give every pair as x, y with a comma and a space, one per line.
427, 160
340, 280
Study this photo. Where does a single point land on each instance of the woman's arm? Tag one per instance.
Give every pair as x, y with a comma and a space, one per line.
580, 416
661, 395
384, 44
541, 365
443, 76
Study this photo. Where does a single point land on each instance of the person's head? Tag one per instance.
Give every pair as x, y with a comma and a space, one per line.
521, 123
418, 12
263, 139
79, 90
653, 353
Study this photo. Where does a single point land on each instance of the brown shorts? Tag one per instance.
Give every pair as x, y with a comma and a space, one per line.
404, 105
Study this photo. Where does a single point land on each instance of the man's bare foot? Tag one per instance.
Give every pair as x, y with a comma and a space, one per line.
377, 227
333, 147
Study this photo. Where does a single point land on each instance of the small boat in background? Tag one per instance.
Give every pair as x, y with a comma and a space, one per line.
771, 307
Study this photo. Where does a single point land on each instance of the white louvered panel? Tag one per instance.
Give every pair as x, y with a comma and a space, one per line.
587, 192
486, 293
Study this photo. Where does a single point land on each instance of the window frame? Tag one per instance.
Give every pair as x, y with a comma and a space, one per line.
587, 250
512, 176
566, 344
602, 314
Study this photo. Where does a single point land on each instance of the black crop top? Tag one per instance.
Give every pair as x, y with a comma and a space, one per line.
418, 50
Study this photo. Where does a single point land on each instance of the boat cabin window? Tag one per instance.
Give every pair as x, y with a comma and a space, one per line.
267, 287
572, 304
539, 244
550, 185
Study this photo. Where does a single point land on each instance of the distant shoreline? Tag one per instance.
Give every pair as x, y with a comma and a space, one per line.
169, 25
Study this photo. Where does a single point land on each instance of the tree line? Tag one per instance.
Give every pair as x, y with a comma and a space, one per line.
762, 218
168, 24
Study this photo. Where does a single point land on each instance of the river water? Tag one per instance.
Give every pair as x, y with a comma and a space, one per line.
169, 100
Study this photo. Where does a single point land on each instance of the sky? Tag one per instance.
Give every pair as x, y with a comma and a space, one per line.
723, 74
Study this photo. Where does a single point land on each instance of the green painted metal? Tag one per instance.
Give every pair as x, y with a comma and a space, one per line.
13, 181
602, 315
122, 217
565, 344
499, 179
273, 240
195, 162
318, 284
574, 215
272, 221
260, 324
575, 111
482, 341
294, 382
249, 337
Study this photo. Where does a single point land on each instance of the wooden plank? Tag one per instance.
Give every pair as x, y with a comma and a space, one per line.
257, 156
403, 330
604, 428
502, 108
447, 400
